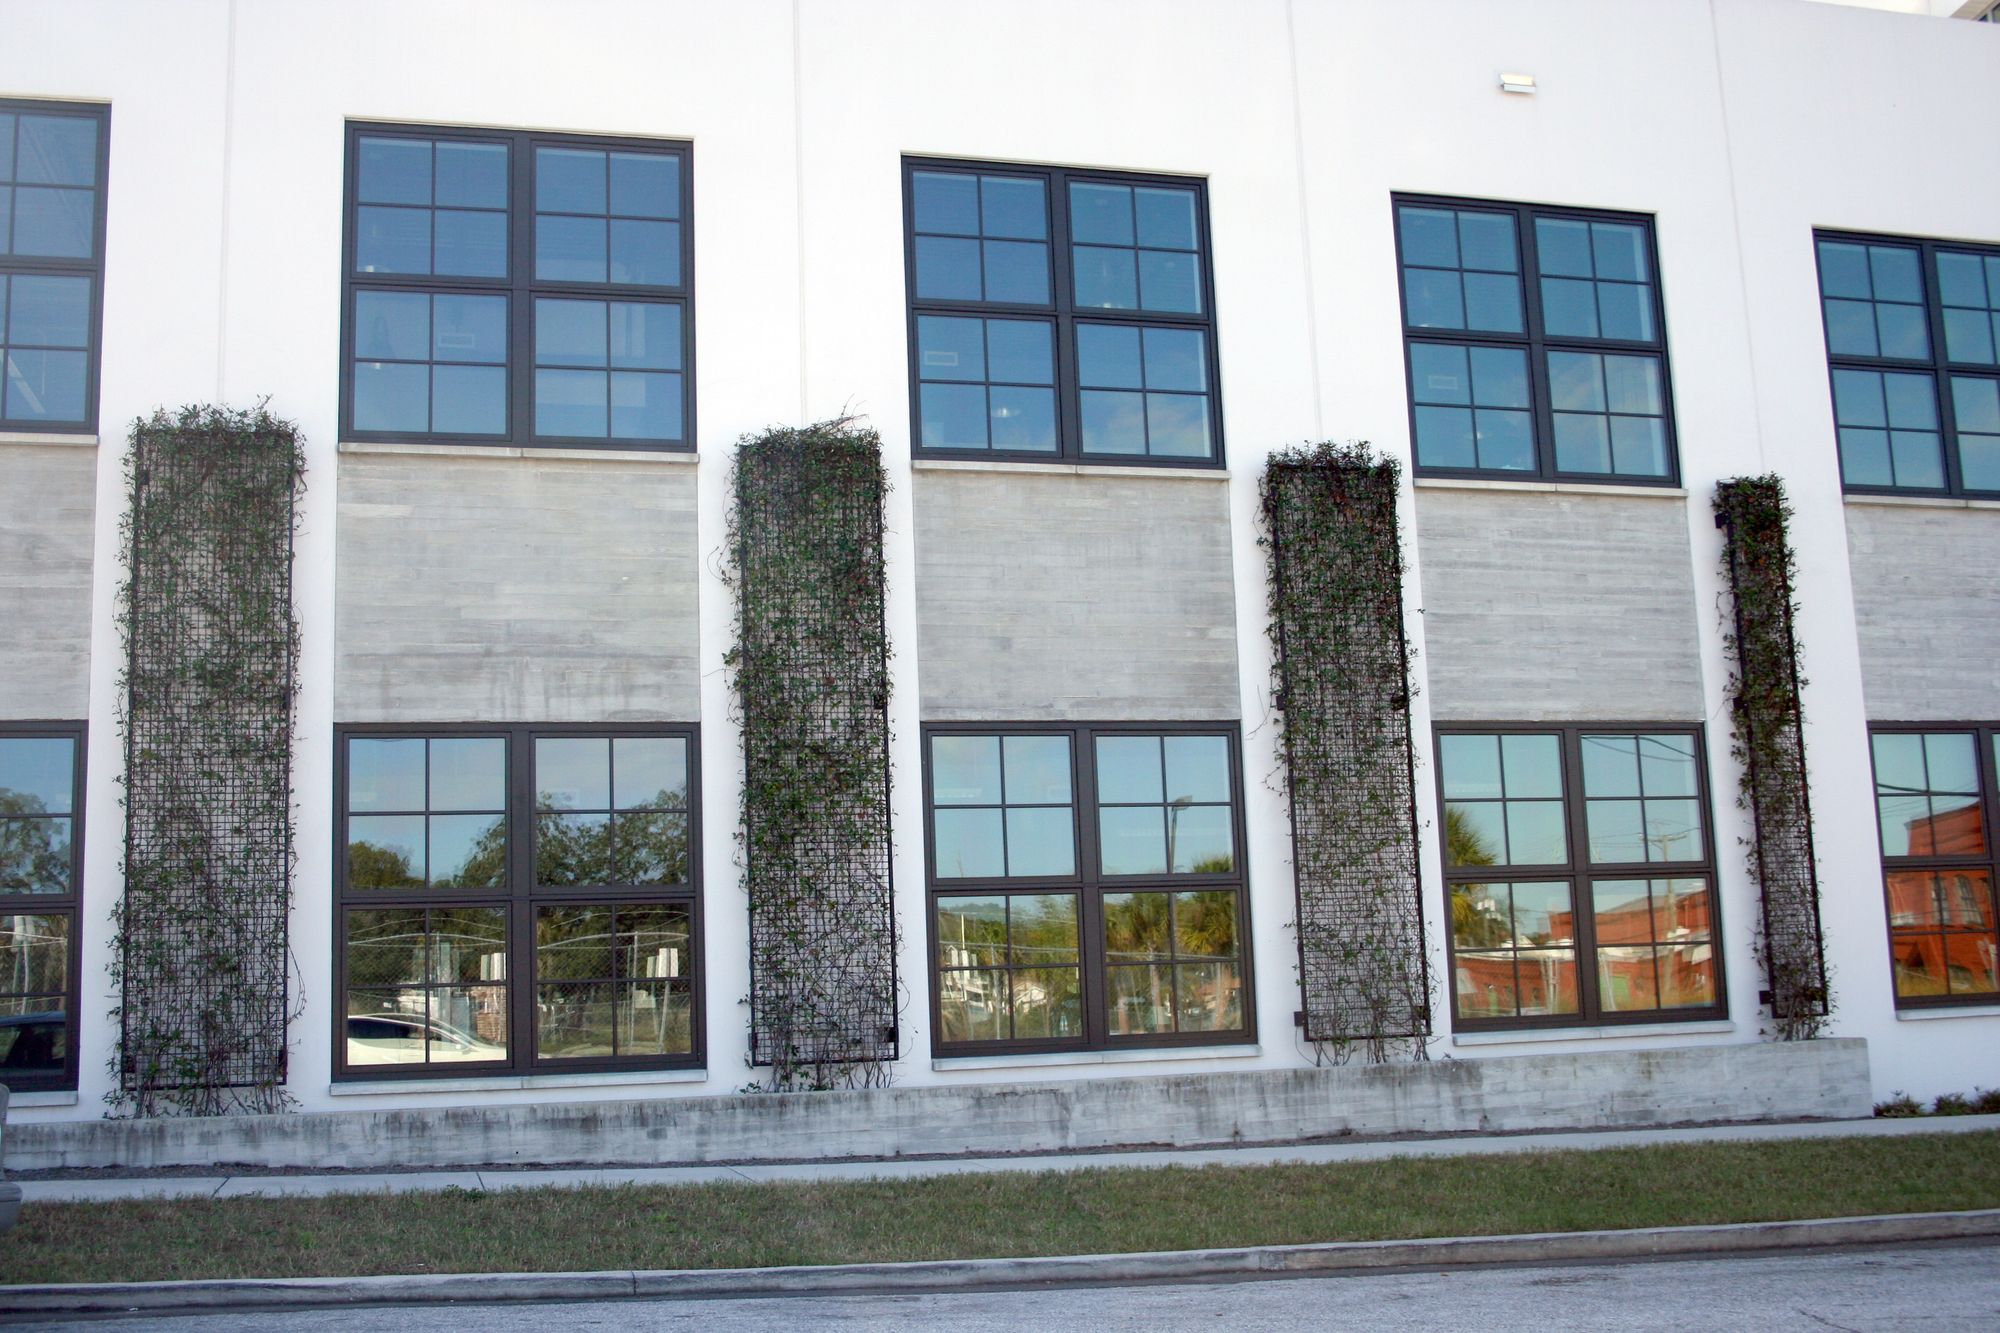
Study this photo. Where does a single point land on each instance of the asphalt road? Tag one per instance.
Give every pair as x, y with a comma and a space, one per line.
1933, 1287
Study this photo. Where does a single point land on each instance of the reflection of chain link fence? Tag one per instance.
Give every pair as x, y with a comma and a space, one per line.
1768, 724
210, 678
811, 675
1342, 675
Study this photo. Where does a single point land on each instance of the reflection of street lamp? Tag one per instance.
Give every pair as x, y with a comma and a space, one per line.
1174, 808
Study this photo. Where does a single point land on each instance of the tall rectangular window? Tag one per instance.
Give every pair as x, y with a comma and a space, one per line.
53, 159
1581, 876
1536, 342
516, 288
1086, 887
41, 887
1060, 315
517, 899
1934, 799
1913, 348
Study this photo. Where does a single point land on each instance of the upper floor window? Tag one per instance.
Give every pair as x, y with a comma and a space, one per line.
1581, 875
1934, 800
517, 899
1536, 342
517, 288
1060, 314
53, 157
1913, 343
41, 882
1086, 887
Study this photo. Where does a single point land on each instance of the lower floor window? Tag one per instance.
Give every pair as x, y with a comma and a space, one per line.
1936, 809
1087, 887
1581, 877
518, 898
41, 877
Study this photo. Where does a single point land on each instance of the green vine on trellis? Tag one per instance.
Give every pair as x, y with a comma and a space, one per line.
1341, 671
1768, 744
200, 953
811, 675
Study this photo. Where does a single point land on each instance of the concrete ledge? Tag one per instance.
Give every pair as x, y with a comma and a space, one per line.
967, 1274
1637, 491
1825, 1079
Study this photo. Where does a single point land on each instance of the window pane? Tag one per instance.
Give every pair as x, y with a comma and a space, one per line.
1037, 769
1673, 831
1176, 359
1667, 763
1166, 218
1475, 833
645, 335
392, 240
1563, 247
645, 407
1533, 765
1438, 374
35, 853
650, 847
1047, 1002
470, 244
45, 386
394, 171
390, 397
969, 844
466, 773
1101, 213
1617, 831
467, 851
1132, 840
469, 400
1009, 207
1471, 766
1429, 235
393, 326
1547, 981
1610, 765
946, 202
1105, 278
953, 416
646, 254
1445, 437
965, 770
1135, 927
54, 223
1108, 357
471, 175
1200, 840
385, 775
570, 249
1169, 281
571, 403
972, 932
1197, 768
37, 775
645, 185
947, 269
1040, 841
1022, 419
1493, 302
1017, 271
1019, 351
1177, 425
1128, 769
950, 348
569, 180
573, 849
1535, 834
49, 312
650, 771
573, 773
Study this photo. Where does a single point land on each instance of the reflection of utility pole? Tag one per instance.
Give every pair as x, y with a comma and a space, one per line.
1174, 808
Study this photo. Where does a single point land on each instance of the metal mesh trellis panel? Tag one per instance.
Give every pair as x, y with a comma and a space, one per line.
811, 673
210, 679
1342, 674
1769, 723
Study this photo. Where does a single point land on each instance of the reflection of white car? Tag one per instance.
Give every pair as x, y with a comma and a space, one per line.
399, 1039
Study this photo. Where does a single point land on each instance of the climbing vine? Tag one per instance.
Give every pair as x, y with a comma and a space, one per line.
200, 958
1341, 672
810, 668
1768, 743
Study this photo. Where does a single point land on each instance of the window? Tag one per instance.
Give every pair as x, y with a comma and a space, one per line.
1913, 345
1581, 876
1935, 806
1537, 345
1060, 314
511, 288
53, 157
41, 883
517, 899
1086, 887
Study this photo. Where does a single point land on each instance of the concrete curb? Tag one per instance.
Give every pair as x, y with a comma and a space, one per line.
970, 1274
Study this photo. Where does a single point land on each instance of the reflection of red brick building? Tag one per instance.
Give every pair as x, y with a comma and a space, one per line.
1942, 918
1670, 932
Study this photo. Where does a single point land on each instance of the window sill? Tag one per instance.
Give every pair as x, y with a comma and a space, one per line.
515, 1082
23, 1100
1967, 1011
1056, 1059
1564, 487
43, 438
1922, 501
1592, 1034
1067, 470
679, 457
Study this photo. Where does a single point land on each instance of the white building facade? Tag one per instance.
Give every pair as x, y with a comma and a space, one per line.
1178, 236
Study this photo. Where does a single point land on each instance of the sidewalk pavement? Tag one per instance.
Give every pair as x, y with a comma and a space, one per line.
106, 1186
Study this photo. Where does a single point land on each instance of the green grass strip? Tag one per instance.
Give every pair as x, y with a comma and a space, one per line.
974, 1216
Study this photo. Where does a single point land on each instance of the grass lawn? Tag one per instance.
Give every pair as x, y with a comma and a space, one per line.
956, 1217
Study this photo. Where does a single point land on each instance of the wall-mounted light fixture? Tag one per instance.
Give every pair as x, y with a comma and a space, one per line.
1517, 83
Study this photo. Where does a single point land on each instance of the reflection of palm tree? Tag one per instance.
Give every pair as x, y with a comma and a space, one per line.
1463, 842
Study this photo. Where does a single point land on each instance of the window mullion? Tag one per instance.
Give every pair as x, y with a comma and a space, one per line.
1954, 478
1062, 291
1539, 392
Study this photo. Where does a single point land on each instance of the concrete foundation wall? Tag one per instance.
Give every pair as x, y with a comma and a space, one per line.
1560, 607
48, 502
1610, 1089
513, 590
1926, 585
1046, 596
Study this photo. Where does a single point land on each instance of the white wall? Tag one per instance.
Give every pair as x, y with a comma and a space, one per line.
223, 282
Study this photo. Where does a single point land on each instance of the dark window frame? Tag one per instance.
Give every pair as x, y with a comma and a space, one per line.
1984, 735
91, 268
520, 897
1937, 365
50, 904
1579, 870
1534, 342
519, 286
1063, 314
1089, 886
